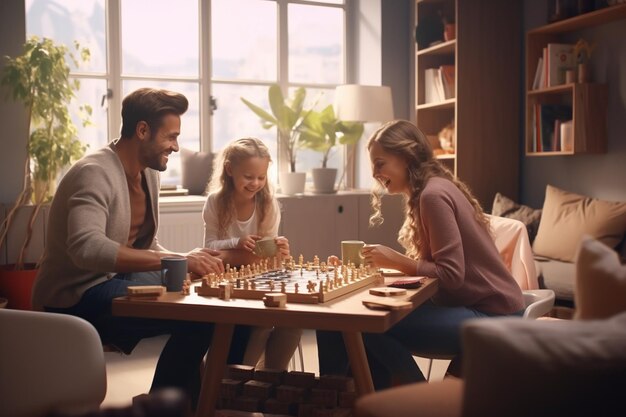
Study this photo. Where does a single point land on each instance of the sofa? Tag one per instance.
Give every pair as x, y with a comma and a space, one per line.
556, 229
514, 367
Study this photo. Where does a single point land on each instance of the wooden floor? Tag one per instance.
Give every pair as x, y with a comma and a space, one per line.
128, 376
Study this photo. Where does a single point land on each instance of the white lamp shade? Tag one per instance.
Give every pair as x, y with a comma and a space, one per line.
363, 103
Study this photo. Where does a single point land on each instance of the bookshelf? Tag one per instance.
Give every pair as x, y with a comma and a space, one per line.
588, 101
485, 106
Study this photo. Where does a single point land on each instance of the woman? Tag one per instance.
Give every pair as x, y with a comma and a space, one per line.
446, 236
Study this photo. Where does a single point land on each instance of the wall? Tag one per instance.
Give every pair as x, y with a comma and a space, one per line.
601, 176
13, 119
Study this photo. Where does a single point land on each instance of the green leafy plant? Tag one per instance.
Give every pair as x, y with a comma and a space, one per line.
287, 116
322, 131
40, 79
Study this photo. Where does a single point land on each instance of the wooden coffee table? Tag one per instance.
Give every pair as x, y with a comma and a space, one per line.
346, 314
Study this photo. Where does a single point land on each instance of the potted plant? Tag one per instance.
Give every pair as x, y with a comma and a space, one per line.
321, 132
39, 78
287, 116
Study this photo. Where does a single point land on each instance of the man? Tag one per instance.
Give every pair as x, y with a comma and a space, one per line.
102, 238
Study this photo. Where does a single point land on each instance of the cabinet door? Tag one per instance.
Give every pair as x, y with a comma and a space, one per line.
316, 225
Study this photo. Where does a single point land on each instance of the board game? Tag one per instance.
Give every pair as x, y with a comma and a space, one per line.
310, 282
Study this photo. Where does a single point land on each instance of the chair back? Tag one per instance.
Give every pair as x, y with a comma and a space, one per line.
538, 303
49, 363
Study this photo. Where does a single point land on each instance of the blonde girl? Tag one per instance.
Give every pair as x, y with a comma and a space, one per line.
239, 210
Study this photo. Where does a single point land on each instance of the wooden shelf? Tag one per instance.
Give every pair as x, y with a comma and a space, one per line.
589, 101
595, 18
485, 109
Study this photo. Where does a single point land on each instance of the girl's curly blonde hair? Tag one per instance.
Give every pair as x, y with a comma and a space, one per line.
405, 140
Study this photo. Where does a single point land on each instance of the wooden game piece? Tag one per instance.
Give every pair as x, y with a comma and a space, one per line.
300, 379
225, 290
249, 404
253, 285
386, 304
271, 284
296, 287
258, 389
387, 291
283, 287
273, 376
301, 260
240, 372
145, 291
275, 299
186, 290
230, 388
316, 260
290, 394
324, 397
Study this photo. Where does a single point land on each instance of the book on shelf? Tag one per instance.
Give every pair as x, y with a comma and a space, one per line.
537, 84
447, 74
547, 130
431, 92
560, 59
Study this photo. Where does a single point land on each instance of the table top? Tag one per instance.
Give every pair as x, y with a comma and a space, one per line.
344, 313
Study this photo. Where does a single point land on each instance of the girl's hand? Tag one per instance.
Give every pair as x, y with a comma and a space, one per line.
381, 256
283, 246
247, 242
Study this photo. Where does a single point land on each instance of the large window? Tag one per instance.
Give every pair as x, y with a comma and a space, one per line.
214, 52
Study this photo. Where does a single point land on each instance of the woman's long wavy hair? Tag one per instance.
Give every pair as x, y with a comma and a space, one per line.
405, 140
222, 184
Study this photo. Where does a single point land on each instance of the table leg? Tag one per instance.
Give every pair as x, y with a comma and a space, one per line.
214, 369
358, 362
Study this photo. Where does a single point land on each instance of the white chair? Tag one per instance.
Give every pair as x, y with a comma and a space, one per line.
49, 363
537, 303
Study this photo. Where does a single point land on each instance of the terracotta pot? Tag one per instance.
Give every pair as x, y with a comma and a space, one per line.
17, 286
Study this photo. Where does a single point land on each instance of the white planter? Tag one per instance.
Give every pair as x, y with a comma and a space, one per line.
324, 180
292, 182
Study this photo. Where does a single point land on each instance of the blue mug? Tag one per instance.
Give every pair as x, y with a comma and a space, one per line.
173, 273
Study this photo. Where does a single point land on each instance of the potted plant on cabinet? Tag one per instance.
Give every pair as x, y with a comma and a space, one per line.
288, 116
40, 79
321, 132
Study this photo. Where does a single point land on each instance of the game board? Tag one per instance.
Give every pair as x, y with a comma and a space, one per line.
311, 282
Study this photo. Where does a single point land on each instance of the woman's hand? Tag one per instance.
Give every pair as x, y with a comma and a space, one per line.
381, 256
247, 242
282, 244
202, 261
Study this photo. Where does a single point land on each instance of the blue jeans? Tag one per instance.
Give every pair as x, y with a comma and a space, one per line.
429, 329
181, 358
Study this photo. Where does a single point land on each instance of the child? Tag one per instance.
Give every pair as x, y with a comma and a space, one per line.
239, 210
446, 236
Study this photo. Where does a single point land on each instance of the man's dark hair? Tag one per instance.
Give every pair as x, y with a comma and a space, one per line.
150, 105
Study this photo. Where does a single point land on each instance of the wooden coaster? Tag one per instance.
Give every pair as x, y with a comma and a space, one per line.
387, 304
145, 290
275, 299
387, 291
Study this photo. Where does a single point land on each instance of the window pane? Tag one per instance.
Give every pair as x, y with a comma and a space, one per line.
69, 21
160, 37
190, 121
234, 120
244, 39
316, 44
96, 134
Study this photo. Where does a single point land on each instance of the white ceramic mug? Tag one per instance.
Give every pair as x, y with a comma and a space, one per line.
173, 273
351, 252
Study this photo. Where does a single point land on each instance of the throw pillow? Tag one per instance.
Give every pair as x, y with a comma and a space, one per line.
505, 207
600, 281
567, 217
196, 170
